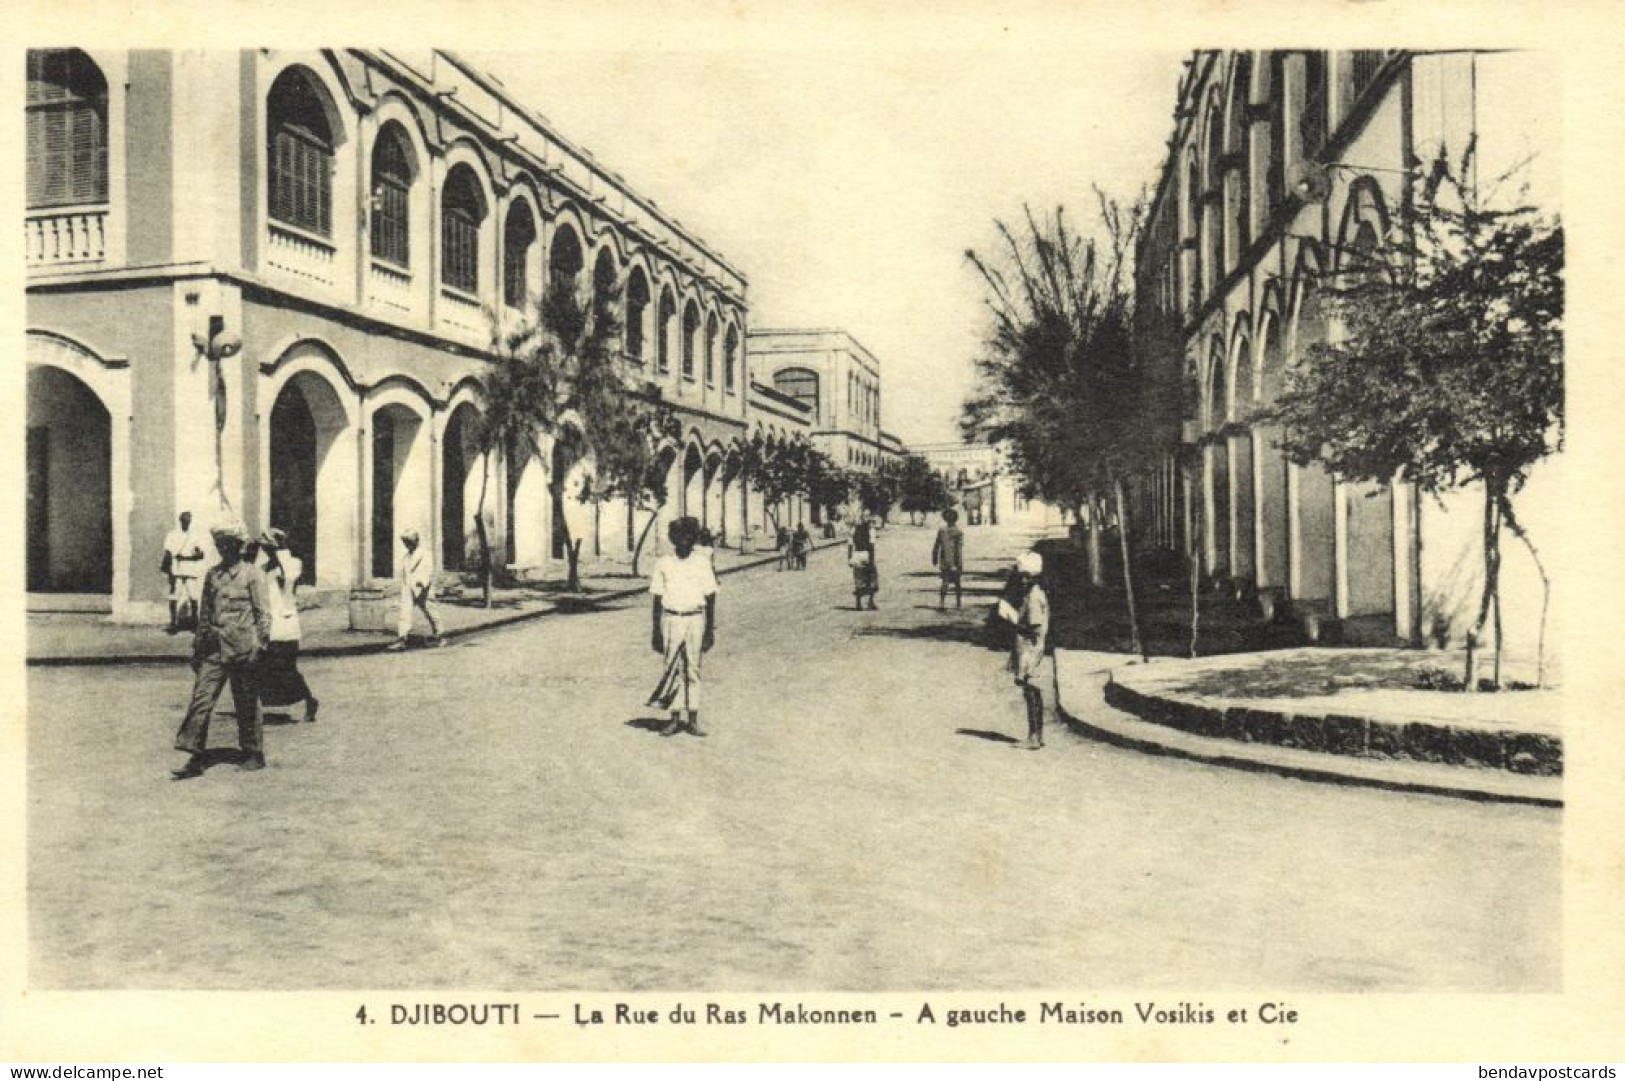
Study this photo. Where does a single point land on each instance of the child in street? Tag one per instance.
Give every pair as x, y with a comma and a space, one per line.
1031, 622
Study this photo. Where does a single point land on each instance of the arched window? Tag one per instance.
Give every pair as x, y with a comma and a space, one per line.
1214, 195
800, 384
691, 329
67, 129
564, 260
462, 209
300, 151
668, 315
711, 350
1312, 127
603, 278
391, 197
637, 304
1365, 64
730, 360
1240, 146
1193, 200
1275, 180
518, 237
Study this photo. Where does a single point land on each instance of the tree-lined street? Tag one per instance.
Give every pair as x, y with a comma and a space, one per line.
503, 814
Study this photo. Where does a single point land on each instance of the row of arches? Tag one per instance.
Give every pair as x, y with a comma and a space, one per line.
1262, 521
345, 470
492, 222
1255, 115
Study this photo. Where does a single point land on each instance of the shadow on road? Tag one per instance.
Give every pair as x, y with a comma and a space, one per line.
965, 633
991, 737
647, 724
215, 756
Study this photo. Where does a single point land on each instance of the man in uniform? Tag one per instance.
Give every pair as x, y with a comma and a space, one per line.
684, 591
417, 582
184, 563
233, 627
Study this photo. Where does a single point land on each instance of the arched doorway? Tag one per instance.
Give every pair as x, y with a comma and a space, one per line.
1218, 458
693, 483
1272, 466
460, 477
400, 484
1316, 560
1241, 461
69, 512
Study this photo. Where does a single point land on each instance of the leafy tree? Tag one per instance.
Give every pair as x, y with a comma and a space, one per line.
570, 349
828, 485
516, 399
632, 460
1062, 383
1448, 367
778, 472
878, 491
921, 491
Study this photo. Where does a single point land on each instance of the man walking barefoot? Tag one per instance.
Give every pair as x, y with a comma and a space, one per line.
684, 613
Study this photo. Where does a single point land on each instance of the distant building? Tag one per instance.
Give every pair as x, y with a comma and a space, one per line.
839, 381
983, 483
1283, 166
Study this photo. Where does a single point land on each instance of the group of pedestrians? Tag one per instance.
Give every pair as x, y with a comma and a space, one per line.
793, 546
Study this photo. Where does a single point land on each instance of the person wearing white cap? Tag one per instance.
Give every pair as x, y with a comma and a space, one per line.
1032, 638
280, 681
417, 582
233, 627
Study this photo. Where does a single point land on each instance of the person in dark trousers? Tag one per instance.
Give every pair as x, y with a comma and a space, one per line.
684, 613
861, 555
1030, 618
800, 542
948, 556
233, 627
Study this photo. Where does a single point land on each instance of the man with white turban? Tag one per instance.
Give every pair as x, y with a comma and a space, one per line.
1032, 639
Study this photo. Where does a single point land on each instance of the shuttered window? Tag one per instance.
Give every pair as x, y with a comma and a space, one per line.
67, 129
461, 211
300, 152
391, 200
516, 245
1367, 62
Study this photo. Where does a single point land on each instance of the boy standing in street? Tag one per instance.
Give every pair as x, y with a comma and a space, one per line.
684, 612
1031, 640
948, 556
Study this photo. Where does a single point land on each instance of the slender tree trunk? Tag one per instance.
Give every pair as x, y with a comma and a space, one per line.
637, 550
1097, 574
479, 528
1195, 555
1518, 531
1137, 643
1493, 493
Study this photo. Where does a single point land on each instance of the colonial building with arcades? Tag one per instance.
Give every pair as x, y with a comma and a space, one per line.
1286, 169
351, 225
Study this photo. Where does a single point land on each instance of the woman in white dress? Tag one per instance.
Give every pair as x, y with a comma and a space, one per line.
280, 681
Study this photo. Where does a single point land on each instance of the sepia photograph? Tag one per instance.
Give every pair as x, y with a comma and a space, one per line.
826, 531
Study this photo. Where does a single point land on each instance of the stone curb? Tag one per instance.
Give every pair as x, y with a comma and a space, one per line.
382, 645
1129, 731
1524, 753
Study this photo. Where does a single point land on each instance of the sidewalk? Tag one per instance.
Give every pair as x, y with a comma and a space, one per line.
1352, 716
74, 638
